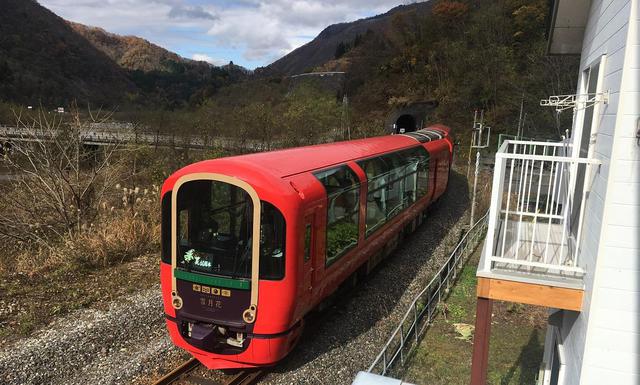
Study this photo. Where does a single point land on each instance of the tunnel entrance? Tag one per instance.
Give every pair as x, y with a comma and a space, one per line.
405, 123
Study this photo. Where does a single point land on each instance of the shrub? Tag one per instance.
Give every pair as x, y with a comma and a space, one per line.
125, 230
65, 208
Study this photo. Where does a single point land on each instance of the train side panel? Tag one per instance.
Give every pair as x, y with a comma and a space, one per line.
325, 280
441, 160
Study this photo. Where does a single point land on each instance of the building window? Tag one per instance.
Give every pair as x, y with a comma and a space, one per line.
590, 85
395, 181
343, 202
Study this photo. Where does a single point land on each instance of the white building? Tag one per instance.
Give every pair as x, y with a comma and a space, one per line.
564, 224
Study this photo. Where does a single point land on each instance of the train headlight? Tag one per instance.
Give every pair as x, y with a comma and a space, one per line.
176, 302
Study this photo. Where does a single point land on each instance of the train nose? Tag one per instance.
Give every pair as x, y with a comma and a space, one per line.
202, 334
208, 336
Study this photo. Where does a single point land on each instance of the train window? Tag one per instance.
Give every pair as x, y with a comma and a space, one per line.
307, 242
343, 198
165, 230
272, 242
410, 184
375, 169
215, 230
418, 168
395, 181
394, 187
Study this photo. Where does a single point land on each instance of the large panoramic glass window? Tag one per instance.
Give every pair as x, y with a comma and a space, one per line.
343, 198
215, 230
395, 181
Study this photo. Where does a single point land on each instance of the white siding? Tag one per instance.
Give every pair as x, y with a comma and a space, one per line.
612, 350
602, 342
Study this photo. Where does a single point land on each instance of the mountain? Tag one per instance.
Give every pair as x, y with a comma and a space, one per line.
43, 60
132, 52
334, 40
171, 80
466, 55
47, 60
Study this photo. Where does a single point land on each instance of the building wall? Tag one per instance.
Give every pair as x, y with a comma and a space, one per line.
601, 342
612, 349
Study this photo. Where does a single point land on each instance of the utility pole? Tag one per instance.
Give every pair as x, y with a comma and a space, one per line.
345, 116
519, 131
475, 119
477, 142
475, 187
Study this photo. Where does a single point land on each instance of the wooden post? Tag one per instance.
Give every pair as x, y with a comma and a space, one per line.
480, 358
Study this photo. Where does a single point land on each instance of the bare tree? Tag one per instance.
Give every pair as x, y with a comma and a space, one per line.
61, 180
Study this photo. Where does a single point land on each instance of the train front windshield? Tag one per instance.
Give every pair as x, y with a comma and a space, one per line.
215, 231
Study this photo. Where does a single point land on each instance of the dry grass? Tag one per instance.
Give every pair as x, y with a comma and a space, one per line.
115, 240
124, 229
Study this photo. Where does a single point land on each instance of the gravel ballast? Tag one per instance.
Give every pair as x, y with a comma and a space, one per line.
129, 343
93, 346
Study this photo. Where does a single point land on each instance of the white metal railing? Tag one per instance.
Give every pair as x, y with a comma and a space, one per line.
418, 317
537, 208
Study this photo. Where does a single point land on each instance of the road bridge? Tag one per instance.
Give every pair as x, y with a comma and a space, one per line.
101, 137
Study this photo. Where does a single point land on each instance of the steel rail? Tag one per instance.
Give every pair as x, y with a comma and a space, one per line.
246, 377
178, 372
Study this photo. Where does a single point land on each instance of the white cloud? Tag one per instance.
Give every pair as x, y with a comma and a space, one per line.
269, 29
189, 12
208, 59
258, 30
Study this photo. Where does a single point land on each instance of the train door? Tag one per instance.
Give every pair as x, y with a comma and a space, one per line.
309, 257
434, 180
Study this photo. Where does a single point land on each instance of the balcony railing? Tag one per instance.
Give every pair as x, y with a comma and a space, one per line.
537, 208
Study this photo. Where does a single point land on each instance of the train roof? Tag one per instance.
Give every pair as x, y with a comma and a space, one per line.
287, 162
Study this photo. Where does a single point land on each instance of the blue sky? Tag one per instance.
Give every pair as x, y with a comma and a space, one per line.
251, 33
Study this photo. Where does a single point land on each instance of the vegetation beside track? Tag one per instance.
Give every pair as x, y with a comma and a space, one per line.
517, 340
80, 226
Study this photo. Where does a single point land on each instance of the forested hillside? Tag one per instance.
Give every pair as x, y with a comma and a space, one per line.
335, 40
45, 60
132, 52
171, 80
465, 55
42, 60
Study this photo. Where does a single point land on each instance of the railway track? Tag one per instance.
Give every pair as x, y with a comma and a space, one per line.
183, 372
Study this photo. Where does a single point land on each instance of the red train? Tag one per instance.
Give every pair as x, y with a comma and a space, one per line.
252, 243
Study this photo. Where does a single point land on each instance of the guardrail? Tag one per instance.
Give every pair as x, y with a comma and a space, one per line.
406, 337
104, 138
98, 137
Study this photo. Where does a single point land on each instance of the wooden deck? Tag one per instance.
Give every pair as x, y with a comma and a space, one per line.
530, 293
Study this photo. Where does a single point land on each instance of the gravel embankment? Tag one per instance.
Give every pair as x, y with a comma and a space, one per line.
93, 346
129, 341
